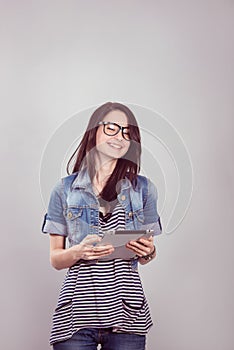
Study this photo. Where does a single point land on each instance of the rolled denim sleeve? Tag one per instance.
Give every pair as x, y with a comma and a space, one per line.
151, 216
54, 220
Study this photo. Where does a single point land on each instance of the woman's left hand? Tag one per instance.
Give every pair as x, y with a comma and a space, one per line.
142, 246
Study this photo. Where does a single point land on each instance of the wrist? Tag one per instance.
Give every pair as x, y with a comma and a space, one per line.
75, 253
149, 256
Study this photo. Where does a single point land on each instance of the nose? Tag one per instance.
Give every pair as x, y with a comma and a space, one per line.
119, 135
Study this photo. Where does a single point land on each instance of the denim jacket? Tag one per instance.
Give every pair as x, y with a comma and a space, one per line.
73, 209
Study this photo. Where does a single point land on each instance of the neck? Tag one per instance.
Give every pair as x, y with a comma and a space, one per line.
103, 172
104, 169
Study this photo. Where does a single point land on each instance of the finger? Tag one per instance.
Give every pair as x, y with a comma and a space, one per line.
91, 252
146, 241
91, 239
141, 246
99, 254
103, 252
139, 249
101, 248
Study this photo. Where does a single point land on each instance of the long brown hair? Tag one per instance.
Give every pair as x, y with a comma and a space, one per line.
127, 166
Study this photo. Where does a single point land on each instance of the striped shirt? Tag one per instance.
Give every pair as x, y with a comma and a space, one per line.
99, 294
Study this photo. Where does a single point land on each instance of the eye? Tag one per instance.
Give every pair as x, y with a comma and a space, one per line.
111, 127
126, 134
126, 131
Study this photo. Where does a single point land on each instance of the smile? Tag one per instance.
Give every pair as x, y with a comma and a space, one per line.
114, 145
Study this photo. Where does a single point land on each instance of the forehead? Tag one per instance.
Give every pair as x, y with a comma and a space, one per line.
116, 116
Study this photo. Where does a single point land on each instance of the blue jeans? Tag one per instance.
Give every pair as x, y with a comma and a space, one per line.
89, 338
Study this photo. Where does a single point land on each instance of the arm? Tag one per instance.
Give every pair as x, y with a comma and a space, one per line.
55, 224
62, 258
145, 247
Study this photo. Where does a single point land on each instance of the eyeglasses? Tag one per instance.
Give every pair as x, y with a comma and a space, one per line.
112, 129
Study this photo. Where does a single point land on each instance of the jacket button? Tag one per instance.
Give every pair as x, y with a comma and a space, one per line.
130, 214
123, 197
69, 215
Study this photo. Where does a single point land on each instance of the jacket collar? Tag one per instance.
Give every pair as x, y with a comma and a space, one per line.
83, 181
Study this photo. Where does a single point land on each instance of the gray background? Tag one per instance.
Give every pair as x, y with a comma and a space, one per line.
175, 57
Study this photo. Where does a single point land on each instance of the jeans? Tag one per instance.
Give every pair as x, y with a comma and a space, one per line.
89, 338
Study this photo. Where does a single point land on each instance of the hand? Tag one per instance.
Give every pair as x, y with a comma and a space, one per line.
87, 251
142, 246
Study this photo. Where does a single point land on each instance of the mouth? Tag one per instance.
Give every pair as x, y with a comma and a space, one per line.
114, 145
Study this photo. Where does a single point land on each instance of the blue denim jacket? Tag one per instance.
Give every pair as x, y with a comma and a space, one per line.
73, 209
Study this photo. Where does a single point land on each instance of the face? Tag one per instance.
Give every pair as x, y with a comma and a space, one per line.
115, 146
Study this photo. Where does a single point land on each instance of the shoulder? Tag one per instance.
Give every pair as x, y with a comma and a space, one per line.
68, 180
63, 183
147, 186
144, 182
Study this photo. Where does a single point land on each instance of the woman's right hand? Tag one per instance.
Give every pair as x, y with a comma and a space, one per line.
62, 258
88, 251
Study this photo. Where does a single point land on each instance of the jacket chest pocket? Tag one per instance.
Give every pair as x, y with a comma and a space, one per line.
137, 218
76, 223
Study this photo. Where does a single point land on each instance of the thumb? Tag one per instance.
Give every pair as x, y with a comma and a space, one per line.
89, 239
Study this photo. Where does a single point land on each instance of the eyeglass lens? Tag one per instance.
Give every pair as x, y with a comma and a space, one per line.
112, 129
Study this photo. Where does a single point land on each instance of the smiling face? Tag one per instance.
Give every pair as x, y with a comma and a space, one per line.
112, 147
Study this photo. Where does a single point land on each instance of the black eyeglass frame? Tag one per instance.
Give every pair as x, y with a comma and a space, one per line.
122, 128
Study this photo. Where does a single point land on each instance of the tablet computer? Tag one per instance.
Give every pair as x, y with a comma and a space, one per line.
119, 238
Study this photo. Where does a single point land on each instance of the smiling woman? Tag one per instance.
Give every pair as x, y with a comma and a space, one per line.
102, 300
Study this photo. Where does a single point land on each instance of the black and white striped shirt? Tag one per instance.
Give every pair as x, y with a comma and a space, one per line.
98, 294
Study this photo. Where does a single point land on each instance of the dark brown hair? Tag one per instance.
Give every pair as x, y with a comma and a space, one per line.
127, 166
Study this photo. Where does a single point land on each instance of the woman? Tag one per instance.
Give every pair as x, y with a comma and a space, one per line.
102, 300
